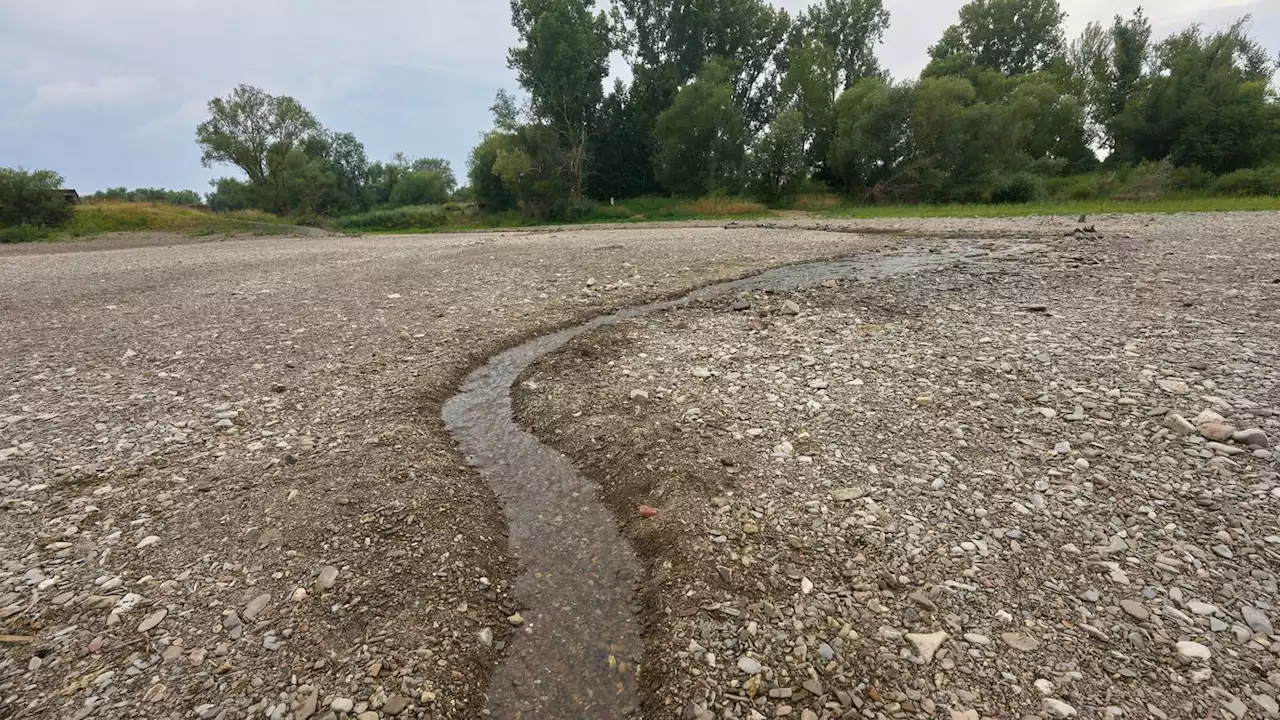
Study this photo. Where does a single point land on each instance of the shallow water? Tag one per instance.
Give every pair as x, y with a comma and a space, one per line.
577, 654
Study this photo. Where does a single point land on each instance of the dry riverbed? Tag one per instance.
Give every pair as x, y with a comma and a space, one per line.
225, 491
1042, 486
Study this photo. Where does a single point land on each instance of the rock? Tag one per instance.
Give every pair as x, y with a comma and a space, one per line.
1207, 416
395, 705
1135, 609
639, 395
923, 601
1191, 650
1253, 437
1179, 424
790, 307
701, 372
748, 665
1173, 387
256, 606
1058, 708
1217, 431
1222, 551
1257, 620
307, 707
342, 705
1018, 641
152, 620
846, 494
647, 511
486, 637
148, 541
327, 579
516, 620
927, 644
1201, 608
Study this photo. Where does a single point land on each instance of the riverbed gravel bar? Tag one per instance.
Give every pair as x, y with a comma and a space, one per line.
1032, 486
226, 491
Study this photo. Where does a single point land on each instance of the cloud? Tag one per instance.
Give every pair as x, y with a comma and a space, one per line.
187, 115
111, 90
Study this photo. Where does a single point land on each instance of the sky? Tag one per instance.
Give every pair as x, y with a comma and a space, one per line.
109, 93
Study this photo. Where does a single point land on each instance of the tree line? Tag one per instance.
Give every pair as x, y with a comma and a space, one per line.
735, 96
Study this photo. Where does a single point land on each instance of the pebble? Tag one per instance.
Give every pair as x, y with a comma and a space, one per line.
927, 645
327, 578
1191, 650
1058, 708
342, 705
1135, 609
748, 665
153, 620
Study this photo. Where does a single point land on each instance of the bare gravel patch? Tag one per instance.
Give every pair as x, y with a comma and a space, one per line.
1041, 488
224, 488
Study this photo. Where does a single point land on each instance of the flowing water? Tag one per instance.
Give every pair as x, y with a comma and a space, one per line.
577, 653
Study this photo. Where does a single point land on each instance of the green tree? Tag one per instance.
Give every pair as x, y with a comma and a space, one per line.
419, 188
677, 37
32, 198
1112, 64
850, 29
562, 63
622, 146
872, 149
487, 186
777, 164
256, 132
700, 139
1014, 37
810, 85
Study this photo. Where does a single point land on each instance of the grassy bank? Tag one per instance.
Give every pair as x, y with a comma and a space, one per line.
1064, 207
453, 217
107, 217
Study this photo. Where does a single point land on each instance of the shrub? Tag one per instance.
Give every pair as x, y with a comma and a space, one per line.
412, 217
1022, 187
1190, 179
1255, 182
721, 206
22, 233
1147, 181
32, 198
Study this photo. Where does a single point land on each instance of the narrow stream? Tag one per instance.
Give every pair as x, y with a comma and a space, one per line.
577, 653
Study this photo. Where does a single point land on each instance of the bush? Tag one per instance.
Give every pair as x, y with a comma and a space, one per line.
1256, 182
1147, 181
1020, 187
723, 206
1190, 179
412, 217
32, 198
22, 233
184, 198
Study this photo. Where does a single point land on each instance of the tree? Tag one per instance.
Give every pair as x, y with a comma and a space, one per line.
562, 63
32, 198
1208, 103
487, 186
851, 29
256, 132
700, 138
871, 148
1014, 37
810, 85
419, 188
622, 147
676, 38
1112, 65
777, 163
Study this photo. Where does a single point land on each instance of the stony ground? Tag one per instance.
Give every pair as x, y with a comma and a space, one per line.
1032, 488
224, 488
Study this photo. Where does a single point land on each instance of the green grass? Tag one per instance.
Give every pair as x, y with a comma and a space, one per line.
107, 217
453, 217
1065, 207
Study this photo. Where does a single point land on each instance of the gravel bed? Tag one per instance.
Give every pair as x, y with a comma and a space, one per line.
224, 488
1043, 487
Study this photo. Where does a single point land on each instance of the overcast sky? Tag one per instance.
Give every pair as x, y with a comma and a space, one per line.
109, 93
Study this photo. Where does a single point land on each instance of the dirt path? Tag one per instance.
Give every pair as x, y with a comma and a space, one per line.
224, 489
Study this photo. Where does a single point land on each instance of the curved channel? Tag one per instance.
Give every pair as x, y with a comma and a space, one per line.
576, 648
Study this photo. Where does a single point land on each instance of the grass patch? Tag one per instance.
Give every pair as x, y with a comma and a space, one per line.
1065, 207
107, 217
